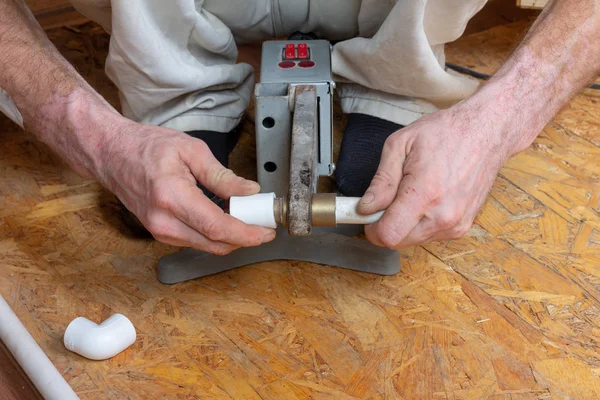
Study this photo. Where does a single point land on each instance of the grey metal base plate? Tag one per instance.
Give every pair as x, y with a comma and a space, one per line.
324, 246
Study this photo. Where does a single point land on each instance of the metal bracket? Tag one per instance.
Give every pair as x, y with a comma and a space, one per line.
324, 246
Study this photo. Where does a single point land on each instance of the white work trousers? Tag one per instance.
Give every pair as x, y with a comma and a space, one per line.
174, 62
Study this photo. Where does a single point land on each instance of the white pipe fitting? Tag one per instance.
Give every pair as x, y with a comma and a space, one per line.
254, 210
259, 210
99, 342
40, 370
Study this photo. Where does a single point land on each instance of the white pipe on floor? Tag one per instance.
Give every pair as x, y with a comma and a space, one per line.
99, 342
40, 370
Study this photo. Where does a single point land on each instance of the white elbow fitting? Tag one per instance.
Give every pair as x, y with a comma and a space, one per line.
99, 342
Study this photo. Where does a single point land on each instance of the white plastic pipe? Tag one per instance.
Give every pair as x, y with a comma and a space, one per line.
346, 212
40, 370
258, 210
99, 342
254, 210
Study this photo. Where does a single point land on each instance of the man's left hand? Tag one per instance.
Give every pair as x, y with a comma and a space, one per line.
433, 177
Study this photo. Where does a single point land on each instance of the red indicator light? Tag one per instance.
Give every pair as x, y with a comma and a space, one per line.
287, 64
306, 64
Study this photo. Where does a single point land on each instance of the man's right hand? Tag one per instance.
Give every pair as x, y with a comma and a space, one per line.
154, 172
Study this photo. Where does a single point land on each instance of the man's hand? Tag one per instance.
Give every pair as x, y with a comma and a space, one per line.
152, 170
433, 177
435, 174
154, 173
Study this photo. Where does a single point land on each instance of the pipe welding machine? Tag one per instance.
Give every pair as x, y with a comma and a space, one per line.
294, 144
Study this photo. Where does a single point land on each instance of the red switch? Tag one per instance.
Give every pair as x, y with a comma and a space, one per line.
303, 51
290, 51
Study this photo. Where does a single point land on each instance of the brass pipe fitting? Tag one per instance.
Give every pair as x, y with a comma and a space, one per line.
323, 209
280, 209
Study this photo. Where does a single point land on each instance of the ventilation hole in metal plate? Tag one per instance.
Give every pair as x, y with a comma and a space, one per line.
270, 166
268, 122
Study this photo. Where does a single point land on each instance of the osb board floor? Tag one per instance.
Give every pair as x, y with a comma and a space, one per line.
509, 312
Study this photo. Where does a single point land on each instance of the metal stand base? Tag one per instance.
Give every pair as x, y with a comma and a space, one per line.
325, 246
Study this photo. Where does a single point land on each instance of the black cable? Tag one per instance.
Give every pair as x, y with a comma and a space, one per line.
485, 77
467, 71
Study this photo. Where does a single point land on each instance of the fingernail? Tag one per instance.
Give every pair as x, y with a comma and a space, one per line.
368, 198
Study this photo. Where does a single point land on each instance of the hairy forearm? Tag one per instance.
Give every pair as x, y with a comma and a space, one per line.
56, 103
557, 59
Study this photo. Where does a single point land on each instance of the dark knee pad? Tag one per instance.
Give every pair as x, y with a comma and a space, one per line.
362, 145
221, 145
